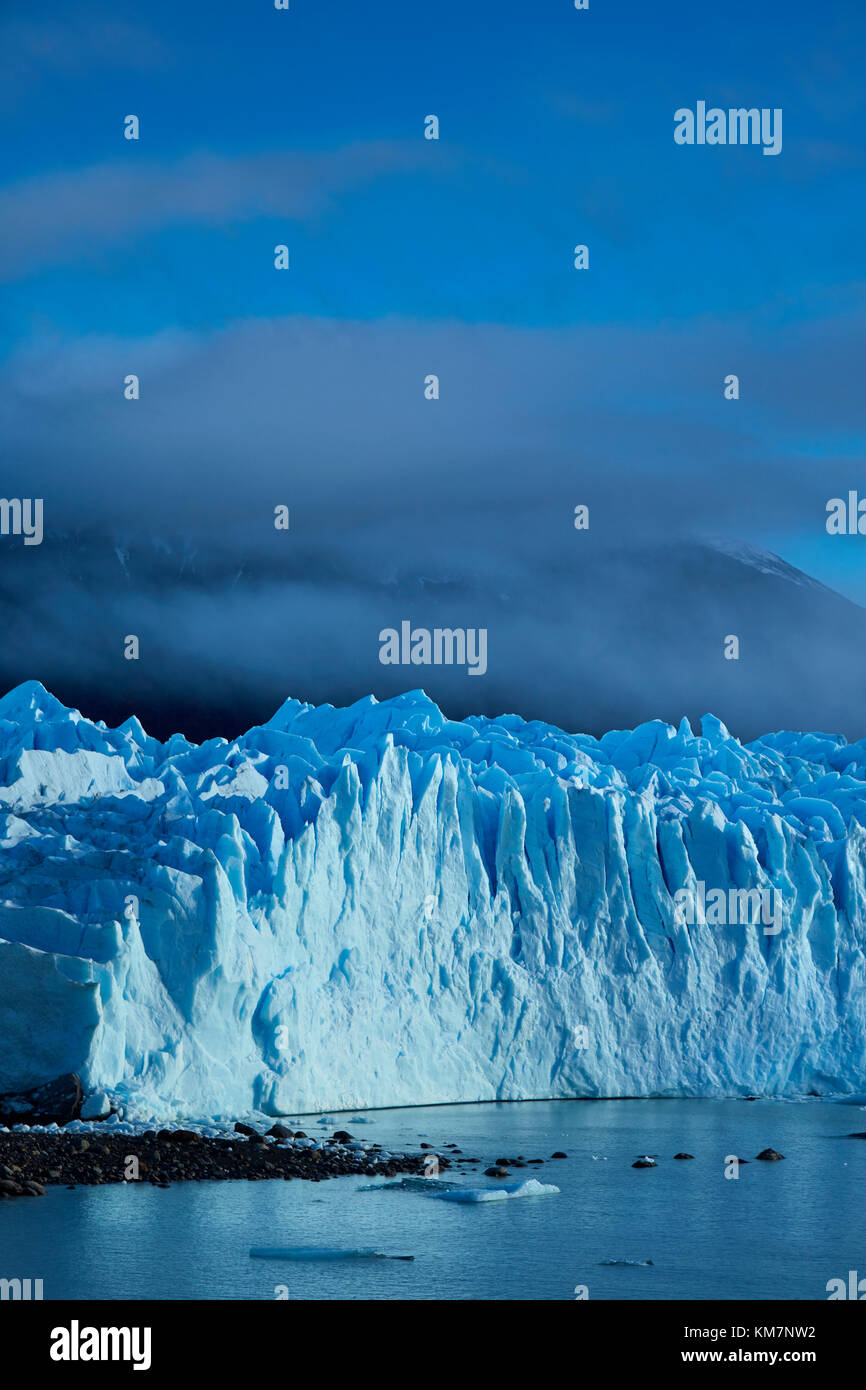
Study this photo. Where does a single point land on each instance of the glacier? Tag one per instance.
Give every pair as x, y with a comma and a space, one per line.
379, 906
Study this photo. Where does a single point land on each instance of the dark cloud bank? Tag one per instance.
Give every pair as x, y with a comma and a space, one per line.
594, 643
454, 513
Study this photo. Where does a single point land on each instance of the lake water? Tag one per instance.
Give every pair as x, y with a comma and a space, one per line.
779, 1231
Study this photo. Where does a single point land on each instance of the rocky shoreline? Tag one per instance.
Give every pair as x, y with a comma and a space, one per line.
32, 1161
57, 1137
53, 1141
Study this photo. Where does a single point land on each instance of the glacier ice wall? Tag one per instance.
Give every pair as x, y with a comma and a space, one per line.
379, 906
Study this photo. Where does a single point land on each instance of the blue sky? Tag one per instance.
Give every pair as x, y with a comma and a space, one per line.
556, 127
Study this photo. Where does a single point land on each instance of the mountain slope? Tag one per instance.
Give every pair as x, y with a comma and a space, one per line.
586, 635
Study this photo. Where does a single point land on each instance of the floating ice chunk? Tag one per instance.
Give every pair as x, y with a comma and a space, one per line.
316, 1252
531, 1188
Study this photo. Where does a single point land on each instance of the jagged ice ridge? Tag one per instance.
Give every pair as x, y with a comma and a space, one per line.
379, 906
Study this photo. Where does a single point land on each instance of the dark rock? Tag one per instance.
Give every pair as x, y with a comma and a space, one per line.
56, 1102
28, 1160
496, 1172
241, 1128
683, 1155
341, 1135
280, 1132
645, 1163
299, 1134
858, 1134
559, 1154
182, 1136
770, 1155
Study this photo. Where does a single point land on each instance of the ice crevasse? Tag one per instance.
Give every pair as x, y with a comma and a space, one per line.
379, 906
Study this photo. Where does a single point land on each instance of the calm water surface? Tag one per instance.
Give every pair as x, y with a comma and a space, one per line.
779, 1231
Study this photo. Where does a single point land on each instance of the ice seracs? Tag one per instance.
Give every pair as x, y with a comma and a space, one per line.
377, 905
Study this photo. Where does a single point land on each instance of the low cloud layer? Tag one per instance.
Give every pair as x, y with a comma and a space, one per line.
331, 418
454, 512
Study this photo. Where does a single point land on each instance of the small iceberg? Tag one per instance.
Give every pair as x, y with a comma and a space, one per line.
531, 1188
316, 1252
